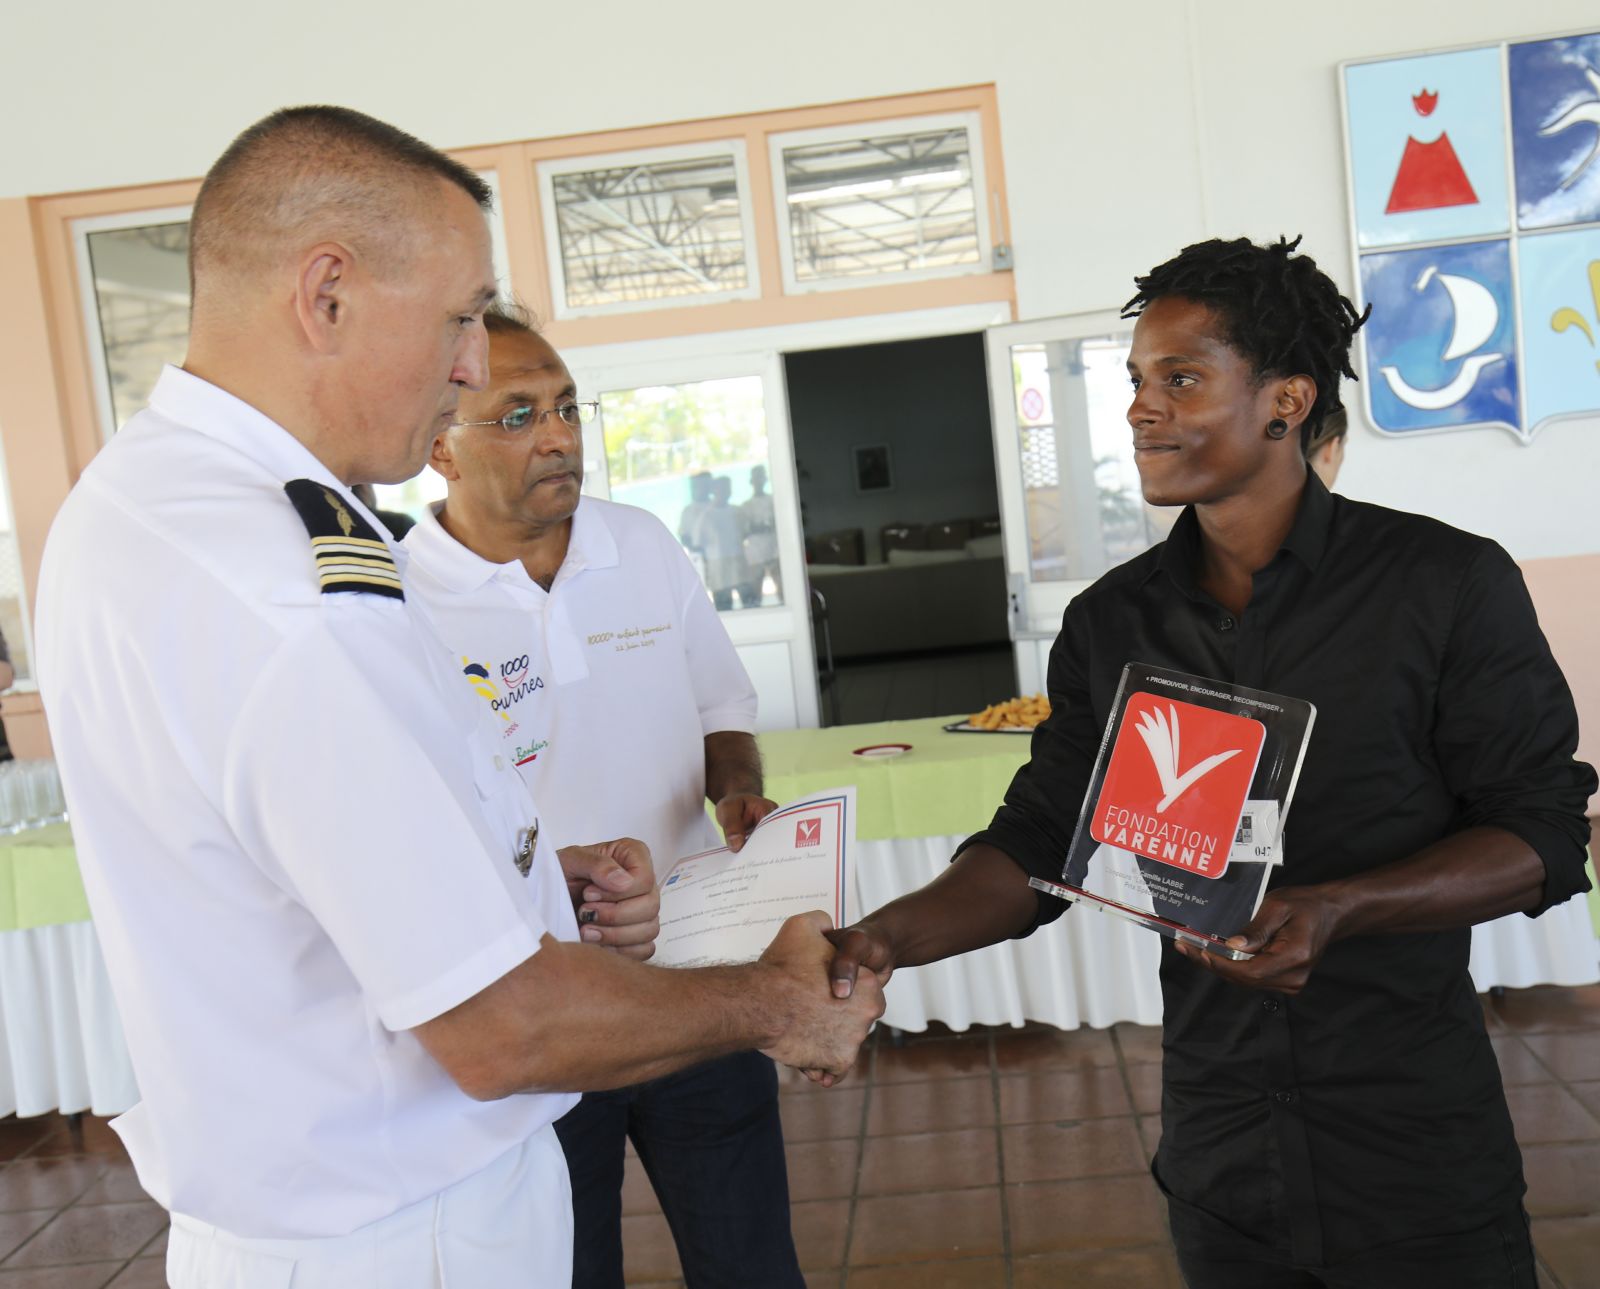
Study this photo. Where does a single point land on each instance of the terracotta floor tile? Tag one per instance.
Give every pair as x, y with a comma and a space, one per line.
930, 1106
1097, 1213
1549, 1008
1563, 1181
1146, 1083
1078, 1049
1150, 1134
947, 1059
1153, 1268
638, 1196
1571, 1056
17, 1228
157, 1248
1548, 1112
930, 1161
1589, 1094
819, 1229
1043, 1152
1085, 1093
968, 1273
91, 1136
927, 1227
1140, 1044
18, 1136
838, 1114
648, 1252
88, 1234
1518, 1064
142, 1273
823, 1169
47, 1183
1571, 1248
118, 1184
830, 1278
83, 1275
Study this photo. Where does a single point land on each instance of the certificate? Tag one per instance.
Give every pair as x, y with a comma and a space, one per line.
719, 906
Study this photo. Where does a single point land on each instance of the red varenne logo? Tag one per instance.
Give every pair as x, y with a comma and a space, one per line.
808, 832
1177, 783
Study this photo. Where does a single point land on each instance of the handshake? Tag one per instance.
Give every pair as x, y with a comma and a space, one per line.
809, 1001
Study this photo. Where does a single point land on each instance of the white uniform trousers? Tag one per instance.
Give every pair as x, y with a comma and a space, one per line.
509, 1224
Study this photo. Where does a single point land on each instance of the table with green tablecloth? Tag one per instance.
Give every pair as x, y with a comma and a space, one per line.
61, 1044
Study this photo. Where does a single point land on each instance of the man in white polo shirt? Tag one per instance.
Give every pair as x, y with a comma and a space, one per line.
340, 942
620, 698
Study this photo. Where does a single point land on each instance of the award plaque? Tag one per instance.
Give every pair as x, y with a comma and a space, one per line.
1184, 817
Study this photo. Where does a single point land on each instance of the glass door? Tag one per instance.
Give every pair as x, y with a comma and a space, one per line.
703, 444
1070, 504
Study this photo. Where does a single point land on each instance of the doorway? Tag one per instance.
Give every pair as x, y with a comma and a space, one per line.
895, 465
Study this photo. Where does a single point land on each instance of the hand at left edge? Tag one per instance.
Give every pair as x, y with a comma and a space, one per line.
614, 892
738, 813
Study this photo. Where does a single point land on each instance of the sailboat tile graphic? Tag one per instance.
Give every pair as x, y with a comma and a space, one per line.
1441, 343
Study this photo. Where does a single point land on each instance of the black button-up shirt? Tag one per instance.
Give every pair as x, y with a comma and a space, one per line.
1368, 1109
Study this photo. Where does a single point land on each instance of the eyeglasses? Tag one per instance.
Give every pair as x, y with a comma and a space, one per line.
523, 417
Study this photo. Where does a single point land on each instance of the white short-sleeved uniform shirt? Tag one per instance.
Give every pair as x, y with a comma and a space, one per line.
605, 687
297, 833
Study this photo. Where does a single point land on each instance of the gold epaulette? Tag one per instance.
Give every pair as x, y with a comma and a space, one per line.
349, 553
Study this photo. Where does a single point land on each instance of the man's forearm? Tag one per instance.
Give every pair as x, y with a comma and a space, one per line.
1474, 876
979, 900
733, 765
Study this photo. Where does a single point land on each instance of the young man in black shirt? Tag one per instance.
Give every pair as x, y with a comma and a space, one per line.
1332, 1112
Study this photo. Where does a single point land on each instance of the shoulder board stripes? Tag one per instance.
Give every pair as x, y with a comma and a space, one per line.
349, 553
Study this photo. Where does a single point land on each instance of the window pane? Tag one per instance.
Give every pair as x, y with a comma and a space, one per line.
1085, 512
889, 204
695, 456
649, 232
141, 288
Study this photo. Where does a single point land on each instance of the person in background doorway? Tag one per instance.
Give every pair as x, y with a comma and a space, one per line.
621, 698
1325, 447
760, 539
722, 541
690, 523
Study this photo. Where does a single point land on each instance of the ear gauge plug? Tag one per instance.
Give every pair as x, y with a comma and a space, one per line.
1277, 427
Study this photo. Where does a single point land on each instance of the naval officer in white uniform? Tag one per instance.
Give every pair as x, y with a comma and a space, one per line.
343, 955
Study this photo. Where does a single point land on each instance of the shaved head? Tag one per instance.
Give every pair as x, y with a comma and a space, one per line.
310, 174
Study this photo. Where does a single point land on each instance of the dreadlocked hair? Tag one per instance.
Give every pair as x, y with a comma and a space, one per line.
1277, 309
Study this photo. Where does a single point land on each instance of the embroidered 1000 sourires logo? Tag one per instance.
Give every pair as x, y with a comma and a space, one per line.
1177, 783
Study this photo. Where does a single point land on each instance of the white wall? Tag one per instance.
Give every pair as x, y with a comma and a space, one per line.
1128, 131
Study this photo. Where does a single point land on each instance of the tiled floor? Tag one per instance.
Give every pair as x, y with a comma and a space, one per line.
978, 1161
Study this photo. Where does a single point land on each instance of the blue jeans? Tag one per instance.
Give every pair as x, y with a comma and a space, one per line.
712, 1144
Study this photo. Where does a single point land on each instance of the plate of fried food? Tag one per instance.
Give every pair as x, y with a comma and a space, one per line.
1014, 716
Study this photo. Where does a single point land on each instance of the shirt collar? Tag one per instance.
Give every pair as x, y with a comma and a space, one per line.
463, 570
186, 399
1307, 538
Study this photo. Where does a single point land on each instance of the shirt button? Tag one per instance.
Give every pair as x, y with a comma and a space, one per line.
1285, 1097
1225, 624
1270, 1004
499, 762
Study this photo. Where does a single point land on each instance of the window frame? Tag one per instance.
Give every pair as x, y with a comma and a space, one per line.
548, 169
778, 142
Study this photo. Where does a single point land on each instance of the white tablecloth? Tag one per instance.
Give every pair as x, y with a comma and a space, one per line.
63, 1046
